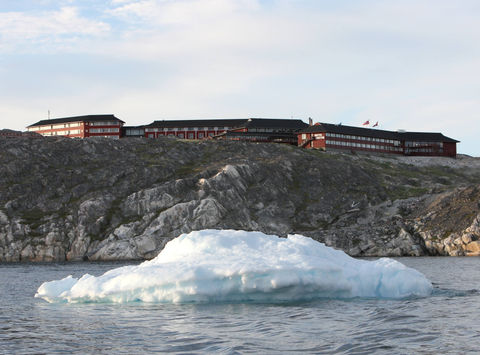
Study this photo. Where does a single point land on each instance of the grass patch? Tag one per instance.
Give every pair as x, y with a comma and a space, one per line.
404, 192
188, 169
33, 217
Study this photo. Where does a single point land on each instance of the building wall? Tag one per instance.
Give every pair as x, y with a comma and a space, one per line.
70, 129
362, 143
11, 134
329, 141
103, 129
419, 148
184, 133
312, 140
450, 149
80, 129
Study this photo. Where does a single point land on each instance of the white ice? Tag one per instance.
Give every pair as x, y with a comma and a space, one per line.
240, 266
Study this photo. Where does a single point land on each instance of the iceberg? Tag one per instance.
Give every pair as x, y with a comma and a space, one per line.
239, 266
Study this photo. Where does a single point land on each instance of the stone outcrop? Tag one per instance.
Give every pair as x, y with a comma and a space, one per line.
99, 199
450, 224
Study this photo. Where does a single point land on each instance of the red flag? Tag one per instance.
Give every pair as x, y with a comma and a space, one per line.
376, 124
366, 123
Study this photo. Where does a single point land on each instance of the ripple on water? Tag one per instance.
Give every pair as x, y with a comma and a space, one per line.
445, 323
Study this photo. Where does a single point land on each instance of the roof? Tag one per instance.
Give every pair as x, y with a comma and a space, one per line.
279, 123
89, 118
238, 122
350, 130
134, 127
426, 137
378, 133
259, 134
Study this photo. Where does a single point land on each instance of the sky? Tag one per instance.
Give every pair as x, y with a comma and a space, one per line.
410, 64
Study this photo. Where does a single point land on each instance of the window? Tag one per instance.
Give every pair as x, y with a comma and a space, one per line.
104, 123
133, 132
104, 130
200, 135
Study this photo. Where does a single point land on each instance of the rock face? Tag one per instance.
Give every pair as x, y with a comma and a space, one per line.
451, 224
99, 199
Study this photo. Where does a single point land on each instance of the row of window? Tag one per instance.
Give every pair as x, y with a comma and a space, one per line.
185, 129
61, 133
423, 150
250, 137
364, 145
361, 138
134, 132
104, 130
55, 126
191, 135
73, 124
104, 123
422, 144
182, 135
266, 130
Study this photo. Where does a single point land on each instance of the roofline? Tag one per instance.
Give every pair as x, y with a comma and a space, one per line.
190, 122
439, 133
72, 119
323, 127
241, 121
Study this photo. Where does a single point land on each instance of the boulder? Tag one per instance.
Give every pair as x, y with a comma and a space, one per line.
467, 238
473, 247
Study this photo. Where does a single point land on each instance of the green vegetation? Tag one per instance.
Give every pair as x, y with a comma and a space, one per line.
404, 192
188, 169
33, 217
356, 242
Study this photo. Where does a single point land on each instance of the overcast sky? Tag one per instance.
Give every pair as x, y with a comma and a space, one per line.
408, 64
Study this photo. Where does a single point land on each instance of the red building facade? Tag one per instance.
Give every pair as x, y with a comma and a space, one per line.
107, 126
246, 129
191, 129
322, 136
327, 136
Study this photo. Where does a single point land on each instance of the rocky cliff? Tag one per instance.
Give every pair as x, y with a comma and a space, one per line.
100, 199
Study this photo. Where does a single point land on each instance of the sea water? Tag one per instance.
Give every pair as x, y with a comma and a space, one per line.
446, 321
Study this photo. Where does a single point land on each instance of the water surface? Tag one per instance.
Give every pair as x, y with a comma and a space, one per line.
447, 322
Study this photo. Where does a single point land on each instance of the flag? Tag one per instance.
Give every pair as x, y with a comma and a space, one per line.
376, 124
366, 123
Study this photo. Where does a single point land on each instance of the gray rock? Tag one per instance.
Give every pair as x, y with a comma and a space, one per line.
99, 199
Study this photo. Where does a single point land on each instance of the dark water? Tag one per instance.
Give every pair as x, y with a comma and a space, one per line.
447, 322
